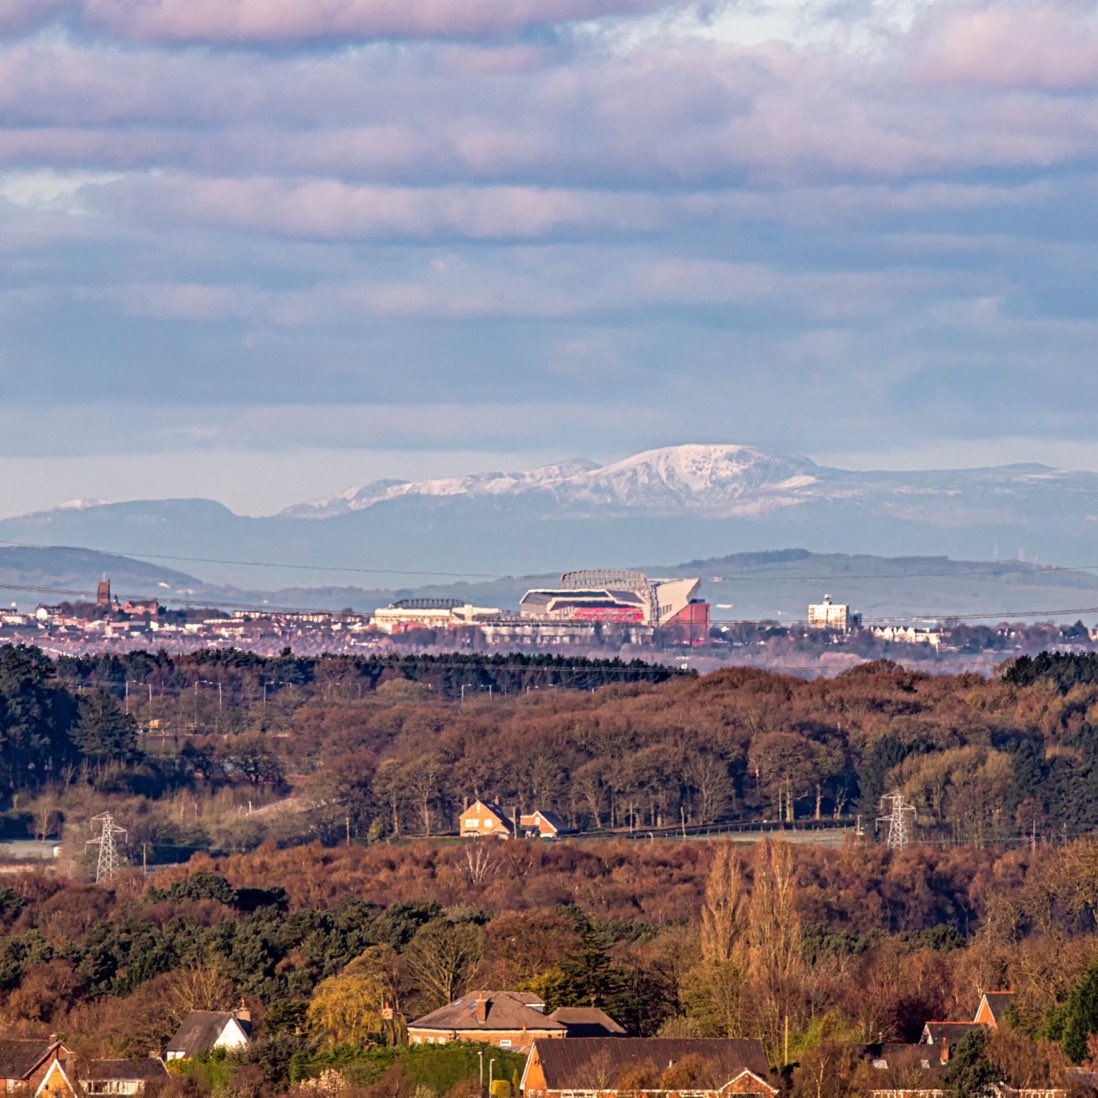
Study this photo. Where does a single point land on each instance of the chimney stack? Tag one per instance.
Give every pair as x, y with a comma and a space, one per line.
242, 1013
482, 1008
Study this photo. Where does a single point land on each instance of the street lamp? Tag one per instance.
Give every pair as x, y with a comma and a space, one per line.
491, 1067
480, 1060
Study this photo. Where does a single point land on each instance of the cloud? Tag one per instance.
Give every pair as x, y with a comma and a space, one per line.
332, 210
293, 22
1038, 44
22, 16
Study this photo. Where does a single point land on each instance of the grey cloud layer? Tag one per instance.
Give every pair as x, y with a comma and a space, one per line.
256, 22
245, 210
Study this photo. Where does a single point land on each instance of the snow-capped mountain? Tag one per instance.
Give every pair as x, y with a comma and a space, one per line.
711, 479
676, 503
361, 496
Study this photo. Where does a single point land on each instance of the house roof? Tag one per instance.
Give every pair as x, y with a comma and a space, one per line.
503, 815
504, 1010
997, 1002
895, 1054
552, 819
200, 1029
19, 1056
144, 1068
935, 1033
587, 1022
591, 1063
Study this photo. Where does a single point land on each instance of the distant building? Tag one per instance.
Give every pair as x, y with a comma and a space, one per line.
507, 1019
25, 1061
609, 1067
832, 615
614, 595
202, 1030
122, 1077
544, 825
587, 1022
909, 634
429, 614
993, 1005
484, 819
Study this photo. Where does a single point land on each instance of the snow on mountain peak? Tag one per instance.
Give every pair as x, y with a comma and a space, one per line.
698, 477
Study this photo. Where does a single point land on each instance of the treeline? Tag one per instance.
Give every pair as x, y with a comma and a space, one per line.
222, 750
818, 952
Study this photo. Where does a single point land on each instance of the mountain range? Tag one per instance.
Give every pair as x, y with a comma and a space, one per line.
675, 503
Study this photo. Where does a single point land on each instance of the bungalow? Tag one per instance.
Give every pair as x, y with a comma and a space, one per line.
604, 1067
125, 1077
507, 1019
202, 1030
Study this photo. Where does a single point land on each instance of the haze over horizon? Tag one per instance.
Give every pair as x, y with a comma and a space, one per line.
261, 252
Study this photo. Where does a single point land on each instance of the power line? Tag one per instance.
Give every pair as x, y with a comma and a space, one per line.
1002, 568
138, 555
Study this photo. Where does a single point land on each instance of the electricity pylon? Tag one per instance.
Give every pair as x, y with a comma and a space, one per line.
896, 810
109, 861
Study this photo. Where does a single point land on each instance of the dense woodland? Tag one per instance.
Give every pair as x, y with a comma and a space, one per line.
222, 750
324, 785
852, 945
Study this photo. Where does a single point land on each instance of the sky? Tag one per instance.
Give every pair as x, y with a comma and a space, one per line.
260, 251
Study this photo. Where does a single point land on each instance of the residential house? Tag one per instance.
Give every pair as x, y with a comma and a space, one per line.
202, 1030
507, 1019
992, 1007
24, 1062
545, 825
481, 819
587, 1022
945, 1036
905, 1071
122, 1077
604, 1067
58, 1082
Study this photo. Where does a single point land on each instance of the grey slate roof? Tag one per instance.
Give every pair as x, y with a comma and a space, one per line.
948, 1032
587, 1022
19, 1055
504, 1010
997, 1002
589, 1063
199, 1030
144, 1069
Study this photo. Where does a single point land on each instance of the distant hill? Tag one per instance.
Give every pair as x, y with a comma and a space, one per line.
678, 503
774, 584
54, 570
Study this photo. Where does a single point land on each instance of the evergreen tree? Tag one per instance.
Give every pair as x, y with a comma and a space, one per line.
1080, 1016
969, 1073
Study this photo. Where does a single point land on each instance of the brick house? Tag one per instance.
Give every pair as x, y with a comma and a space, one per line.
545, 825
992, 1007
604, 1067
484, 819
507, 1019
25, 1062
